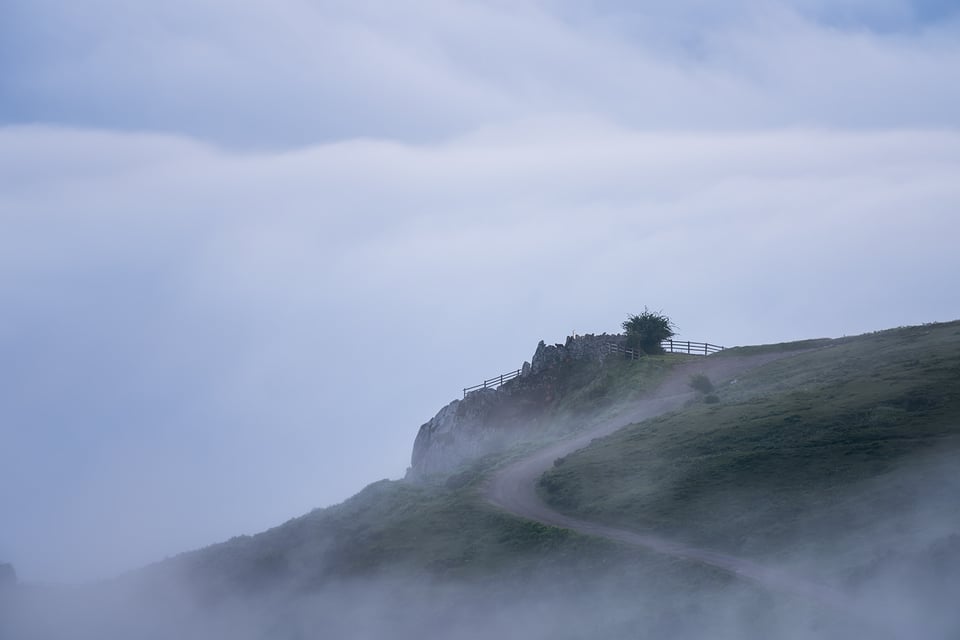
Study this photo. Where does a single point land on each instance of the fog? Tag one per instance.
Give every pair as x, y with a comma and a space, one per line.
291, 73
895, 573
246, 251
265, 334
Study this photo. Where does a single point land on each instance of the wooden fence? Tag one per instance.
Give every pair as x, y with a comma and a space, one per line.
492, 383
692, 348
669, 346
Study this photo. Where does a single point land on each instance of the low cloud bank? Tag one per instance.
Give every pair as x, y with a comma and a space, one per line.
199, 341
897, 574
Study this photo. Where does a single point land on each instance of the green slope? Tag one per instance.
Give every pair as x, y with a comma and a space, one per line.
441, 528
769, 464
805, 451
388, 528
837, 462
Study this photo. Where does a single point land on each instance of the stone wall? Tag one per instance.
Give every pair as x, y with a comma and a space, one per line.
489, 420
585, 347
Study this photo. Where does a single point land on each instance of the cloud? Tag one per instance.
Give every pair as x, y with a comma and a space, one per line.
246, 250
201, 343
294, 73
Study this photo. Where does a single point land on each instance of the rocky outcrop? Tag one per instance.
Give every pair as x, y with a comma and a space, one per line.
586, 347
461, 431
489, 420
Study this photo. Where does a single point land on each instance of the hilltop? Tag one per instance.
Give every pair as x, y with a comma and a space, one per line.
827, 459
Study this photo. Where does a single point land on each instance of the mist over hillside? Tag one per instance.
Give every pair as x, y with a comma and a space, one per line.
829, 463
311, 312
247, 249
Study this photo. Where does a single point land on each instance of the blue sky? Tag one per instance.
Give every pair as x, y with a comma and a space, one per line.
245, 251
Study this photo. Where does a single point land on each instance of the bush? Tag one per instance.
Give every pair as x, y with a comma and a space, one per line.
700, 382
646, 331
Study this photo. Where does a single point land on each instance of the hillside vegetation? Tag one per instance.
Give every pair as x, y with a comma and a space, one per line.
808, 453
770, 467
440, 527
837, 462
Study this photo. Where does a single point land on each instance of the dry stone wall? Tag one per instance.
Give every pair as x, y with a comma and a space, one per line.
489, 420
585, 347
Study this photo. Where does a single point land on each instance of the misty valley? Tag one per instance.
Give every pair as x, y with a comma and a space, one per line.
795, 490
317, 320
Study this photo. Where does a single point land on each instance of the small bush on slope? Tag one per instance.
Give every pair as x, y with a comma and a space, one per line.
789, 443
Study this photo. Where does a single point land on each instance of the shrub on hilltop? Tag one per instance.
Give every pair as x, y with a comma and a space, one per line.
647, 330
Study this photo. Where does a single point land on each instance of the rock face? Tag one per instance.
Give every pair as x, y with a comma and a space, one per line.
8, 577
490, 420
586, 347
461, 431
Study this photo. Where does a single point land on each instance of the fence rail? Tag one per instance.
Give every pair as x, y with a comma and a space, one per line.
669, 346
693, 348
612, 347
492, 383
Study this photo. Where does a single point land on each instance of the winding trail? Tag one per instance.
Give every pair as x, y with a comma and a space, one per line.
513, 488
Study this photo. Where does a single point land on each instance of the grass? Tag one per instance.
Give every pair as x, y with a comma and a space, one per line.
443, 529
783, 445
788, 455
582, 387
444, 536
792, 436
390, 526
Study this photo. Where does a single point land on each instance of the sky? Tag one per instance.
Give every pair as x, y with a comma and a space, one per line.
247, 249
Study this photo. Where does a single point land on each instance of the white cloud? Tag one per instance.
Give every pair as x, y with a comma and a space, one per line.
292, 73
277, 325
426, 191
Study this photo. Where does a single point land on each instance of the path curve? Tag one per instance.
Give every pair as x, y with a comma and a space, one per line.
514, 488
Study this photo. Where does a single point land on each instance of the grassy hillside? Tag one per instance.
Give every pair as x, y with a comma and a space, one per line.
837, 462
440, 528
805, 452
771, 464
389, 527
398, 559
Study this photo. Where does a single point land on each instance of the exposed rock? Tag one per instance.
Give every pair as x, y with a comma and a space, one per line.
592, 347
489, 420
461, 431
547, 357
585, 347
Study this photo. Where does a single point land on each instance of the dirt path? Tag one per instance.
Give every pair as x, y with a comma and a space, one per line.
513, 488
